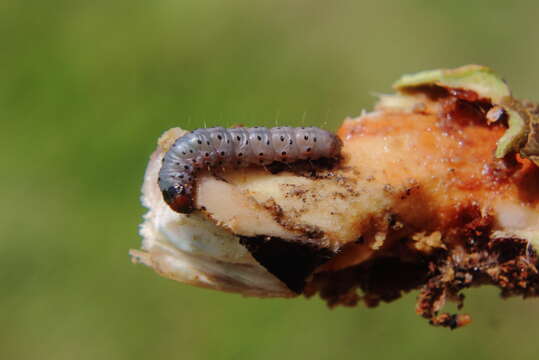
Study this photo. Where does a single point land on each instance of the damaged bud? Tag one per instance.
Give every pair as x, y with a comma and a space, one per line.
436, 191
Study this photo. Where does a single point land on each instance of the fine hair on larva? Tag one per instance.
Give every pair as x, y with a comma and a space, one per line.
220, 148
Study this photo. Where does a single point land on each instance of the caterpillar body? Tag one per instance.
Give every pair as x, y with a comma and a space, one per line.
220, 148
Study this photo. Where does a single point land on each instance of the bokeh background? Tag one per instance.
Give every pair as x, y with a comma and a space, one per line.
86, 88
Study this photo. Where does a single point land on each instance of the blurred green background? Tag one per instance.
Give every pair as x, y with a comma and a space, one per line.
86, 88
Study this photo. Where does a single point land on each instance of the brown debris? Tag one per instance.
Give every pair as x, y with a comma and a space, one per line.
477, 259
381, 279
510, 264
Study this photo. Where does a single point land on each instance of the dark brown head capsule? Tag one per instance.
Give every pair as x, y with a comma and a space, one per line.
179, 199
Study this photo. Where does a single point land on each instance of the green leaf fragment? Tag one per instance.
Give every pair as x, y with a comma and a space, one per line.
480, 79
513, 136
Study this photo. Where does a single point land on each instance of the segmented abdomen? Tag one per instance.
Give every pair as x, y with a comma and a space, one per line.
234, 148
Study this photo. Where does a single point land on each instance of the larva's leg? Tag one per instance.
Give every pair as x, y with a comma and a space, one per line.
312, 166
277, 167
215, 173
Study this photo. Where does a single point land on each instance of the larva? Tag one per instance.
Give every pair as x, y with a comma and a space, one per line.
222, 148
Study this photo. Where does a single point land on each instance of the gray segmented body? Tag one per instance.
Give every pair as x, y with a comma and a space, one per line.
235, 148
